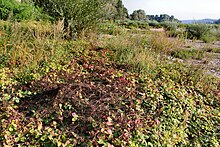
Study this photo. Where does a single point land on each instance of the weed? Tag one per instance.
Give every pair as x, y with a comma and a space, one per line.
101, 91
198, 31
188, 54
212, 49
132, 49
159, 42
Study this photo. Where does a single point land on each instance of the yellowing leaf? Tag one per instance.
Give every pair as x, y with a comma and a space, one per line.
59, 143
39, 125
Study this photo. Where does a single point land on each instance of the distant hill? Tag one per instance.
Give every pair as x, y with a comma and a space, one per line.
206, 21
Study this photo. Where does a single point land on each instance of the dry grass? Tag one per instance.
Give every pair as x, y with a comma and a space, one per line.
131, 49
160, 43
27, 46
141, 50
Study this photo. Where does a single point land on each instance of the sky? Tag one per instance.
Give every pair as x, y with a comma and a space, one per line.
181, 9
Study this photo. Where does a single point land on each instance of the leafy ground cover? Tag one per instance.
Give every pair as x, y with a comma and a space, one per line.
79, 94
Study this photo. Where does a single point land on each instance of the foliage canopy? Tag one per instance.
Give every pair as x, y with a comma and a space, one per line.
11, 9
78, 15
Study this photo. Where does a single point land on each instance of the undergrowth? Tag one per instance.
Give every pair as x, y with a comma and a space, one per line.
14, 10
102, 90
212, 50
188, 54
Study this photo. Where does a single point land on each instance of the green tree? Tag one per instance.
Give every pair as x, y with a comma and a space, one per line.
19, 11
139, 15
217, 21
197, 31
78, 15
162, 18
122, 12
114, 9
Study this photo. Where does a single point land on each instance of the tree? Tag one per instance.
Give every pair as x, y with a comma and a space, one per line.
121, 10
217, 21
162, 18
139, 15
78, 15
18, 11
114, 9
197, 31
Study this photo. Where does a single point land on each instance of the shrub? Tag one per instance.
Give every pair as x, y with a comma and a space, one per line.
197, 31
188, 54
170, 26
134, 24
111, 28
78, 15
212, 49
154, 24
19, 11
174, 29
208, 38
216, 32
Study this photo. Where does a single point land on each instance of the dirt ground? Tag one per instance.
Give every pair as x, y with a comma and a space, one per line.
211, 61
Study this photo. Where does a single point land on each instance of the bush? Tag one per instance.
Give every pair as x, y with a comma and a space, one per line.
154, 24
197, 31
173, 29
188, 54
208, 38
19, 11
170, 26
78, 15
204, 32
216, 32
131, 24
111, 28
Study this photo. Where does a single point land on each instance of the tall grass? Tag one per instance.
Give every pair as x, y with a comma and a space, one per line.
143, 51
132, 49
27, 47
188, 54
160, 43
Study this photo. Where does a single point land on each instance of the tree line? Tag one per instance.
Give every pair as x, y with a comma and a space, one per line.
78, 15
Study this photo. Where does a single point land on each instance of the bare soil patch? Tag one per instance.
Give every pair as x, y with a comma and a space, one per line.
211, 60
